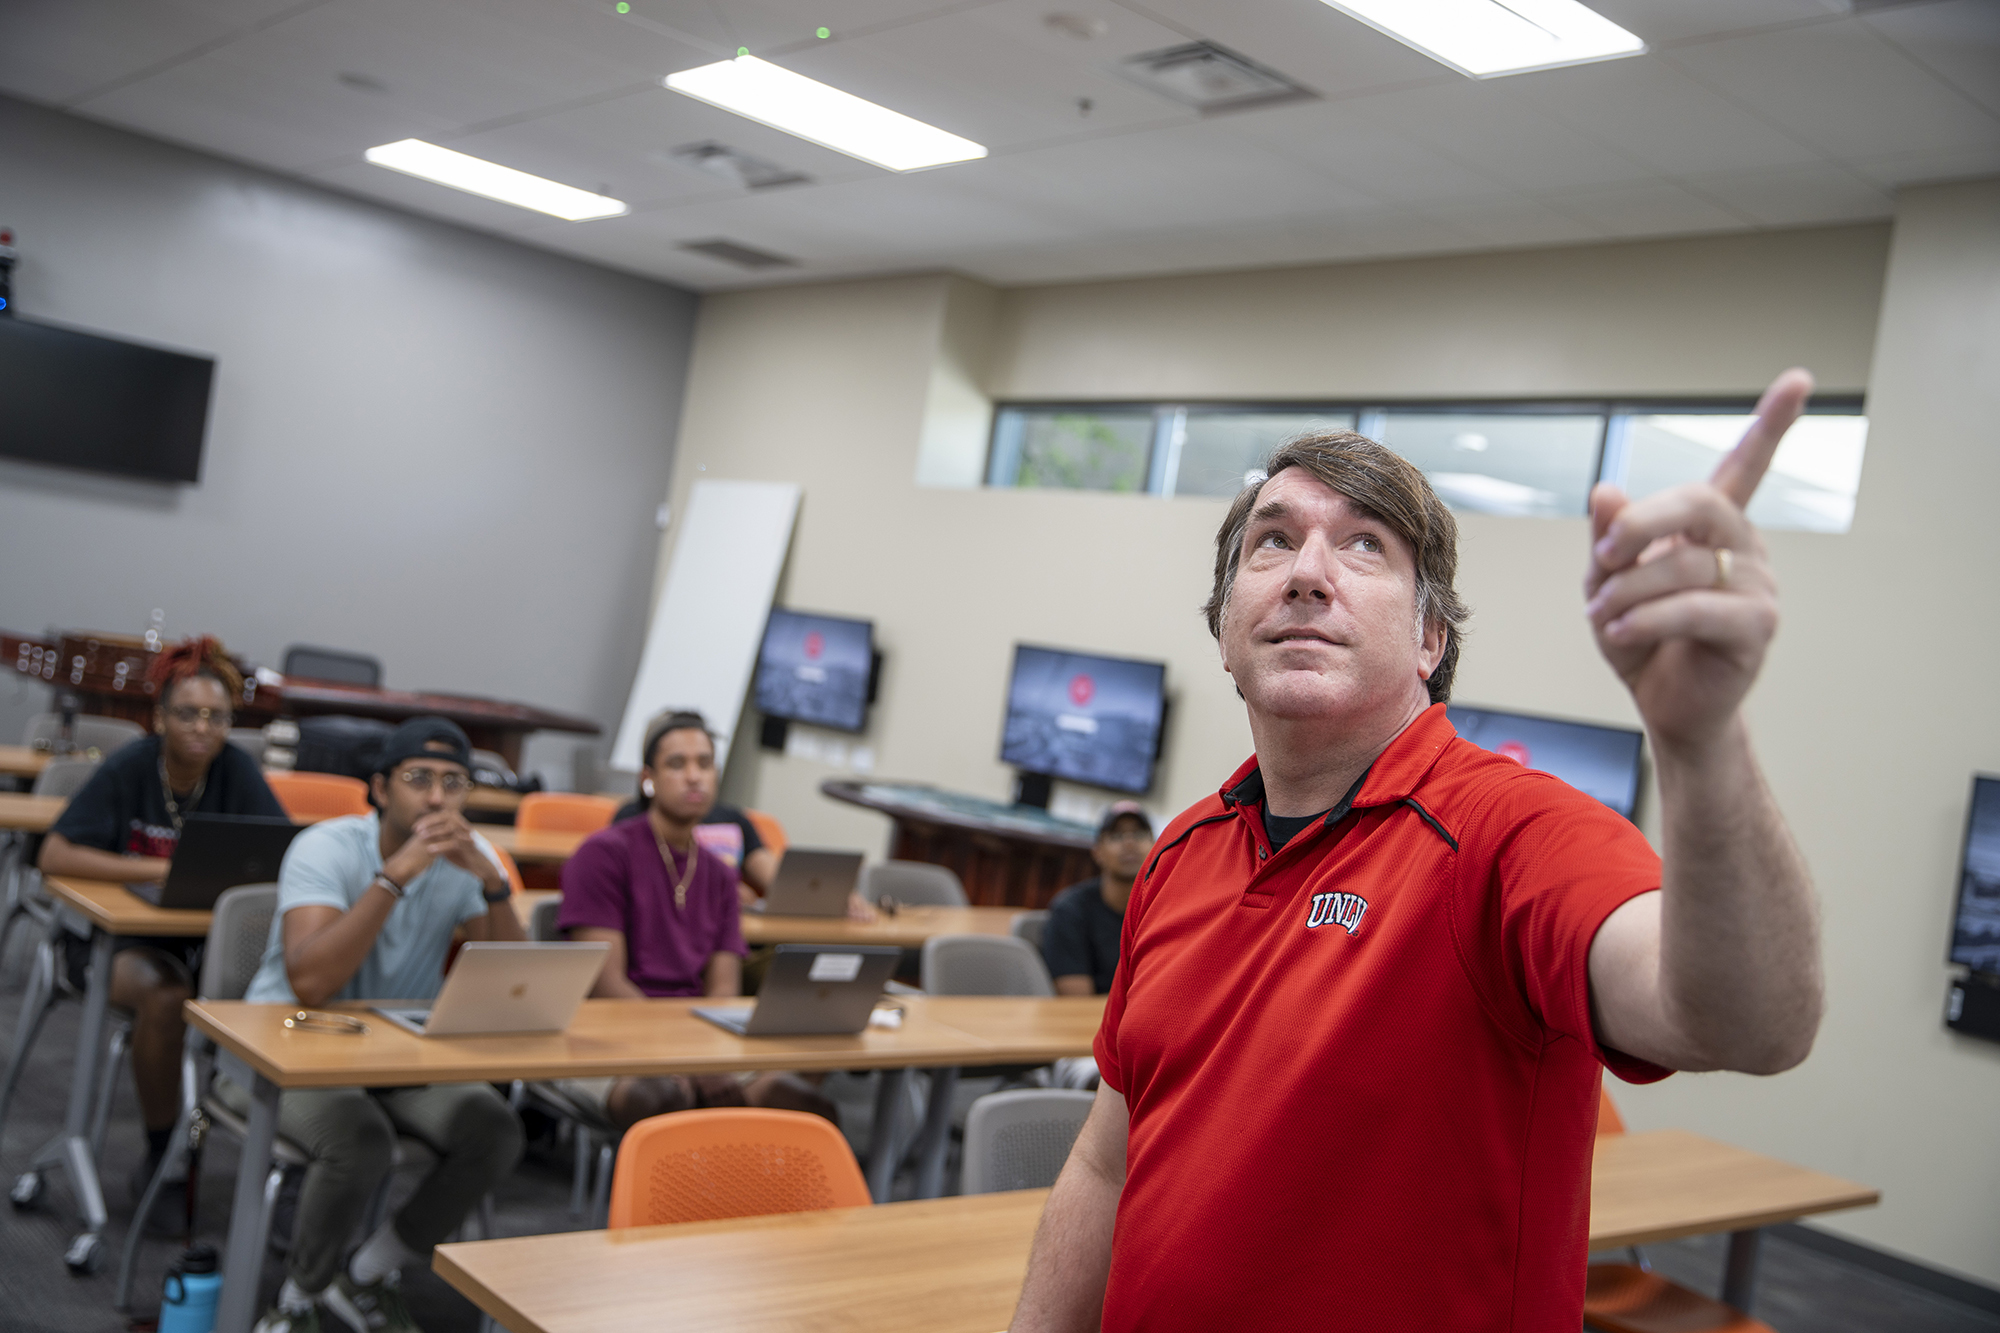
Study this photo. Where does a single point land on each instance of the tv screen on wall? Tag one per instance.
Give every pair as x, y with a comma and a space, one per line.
1597, 761
78, 400
1084, 718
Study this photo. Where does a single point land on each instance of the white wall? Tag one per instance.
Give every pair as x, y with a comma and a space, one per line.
425, 443
1869, 745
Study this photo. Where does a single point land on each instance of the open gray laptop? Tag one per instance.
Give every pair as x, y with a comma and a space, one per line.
813, 882
812, 989
505, 986
218, 852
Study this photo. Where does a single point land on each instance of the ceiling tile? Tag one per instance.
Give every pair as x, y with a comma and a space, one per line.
1797, 196
1660, 21
1480, 125
1336, 138
1922, 168
1840, 88
56, 50
1645, 208
1959, 42
776, 26
1658, 116
1511, 221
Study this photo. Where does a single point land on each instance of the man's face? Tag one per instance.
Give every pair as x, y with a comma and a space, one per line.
683, 775
419, 787
194, 720
1121, 849
1322, 621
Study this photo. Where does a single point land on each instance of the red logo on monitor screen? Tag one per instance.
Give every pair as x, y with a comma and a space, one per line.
815, 643
1081, 689
1513, 750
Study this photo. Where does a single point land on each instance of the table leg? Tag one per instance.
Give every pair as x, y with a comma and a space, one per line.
881, 1168
935, 1140
243, 1254
1739, 1277
72, 1151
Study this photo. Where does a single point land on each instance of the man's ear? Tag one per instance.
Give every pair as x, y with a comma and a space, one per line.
378, 787
1430, 648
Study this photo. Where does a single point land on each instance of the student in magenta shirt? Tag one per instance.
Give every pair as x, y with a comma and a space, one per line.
669, 910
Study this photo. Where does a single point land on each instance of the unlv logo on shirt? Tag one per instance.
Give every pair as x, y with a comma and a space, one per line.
1337, 909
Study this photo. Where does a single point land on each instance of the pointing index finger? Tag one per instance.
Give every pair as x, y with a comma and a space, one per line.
1737, 475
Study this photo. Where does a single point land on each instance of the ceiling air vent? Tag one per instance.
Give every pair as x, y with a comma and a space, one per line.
736, 167
1210, 78
743, 256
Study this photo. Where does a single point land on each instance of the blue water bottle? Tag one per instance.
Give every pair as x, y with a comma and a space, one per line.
193, 1283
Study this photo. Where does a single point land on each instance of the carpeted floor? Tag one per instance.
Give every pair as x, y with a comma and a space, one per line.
1800, 1289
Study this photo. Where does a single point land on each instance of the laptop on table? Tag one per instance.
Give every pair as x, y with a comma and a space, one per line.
812, 990
497, 986
216, 853
813, 882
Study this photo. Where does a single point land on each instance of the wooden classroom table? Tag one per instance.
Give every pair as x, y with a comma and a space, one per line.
112, 910
908, 929
22, 761
21, 812
607, 1037
540, 847
955, 1265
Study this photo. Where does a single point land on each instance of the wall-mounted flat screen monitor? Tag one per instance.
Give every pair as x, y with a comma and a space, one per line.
1597, 761
78, 400
1975, 929
1084, 718
815, 669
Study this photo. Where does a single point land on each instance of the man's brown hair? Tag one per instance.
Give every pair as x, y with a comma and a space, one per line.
1385, 486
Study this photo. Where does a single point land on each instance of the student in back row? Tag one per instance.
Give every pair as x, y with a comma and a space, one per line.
668, 908
367, 906
1080, 938
124, 825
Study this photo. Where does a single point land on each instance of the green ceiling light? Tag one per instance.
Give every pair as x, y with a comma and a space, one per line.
742, 50
824, 33
624, 8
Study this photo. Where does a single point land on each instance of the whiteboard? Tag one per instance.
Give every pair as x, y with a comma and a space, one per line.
701, 648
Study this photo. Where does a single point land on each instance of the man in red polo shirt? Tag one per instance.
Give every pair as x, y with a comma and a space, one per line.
1351, 1056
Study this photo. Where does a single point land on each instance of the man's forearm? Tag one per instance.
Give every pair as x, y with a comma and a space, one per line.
60, 856
319, 965
1071, 1259
1739, 927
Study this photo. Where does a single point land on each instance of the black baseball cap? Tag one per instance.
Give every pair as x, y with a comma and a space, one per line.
1118, 810
425, 738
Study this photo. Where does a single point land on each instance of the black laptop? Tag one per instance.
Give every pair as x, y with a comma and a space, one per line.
812, 989
216, 853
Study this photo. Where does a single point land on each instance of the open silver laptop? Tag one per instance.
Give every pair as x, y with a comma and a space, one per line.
503, 986
813, 882
811, 989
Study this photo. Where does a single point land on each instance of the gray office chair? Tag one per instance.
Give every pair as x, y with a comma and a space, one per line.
1028, 926
984, 965
332, 664
250, 740
912, 883
88, 732
542, 921
1019, 1140
63, 776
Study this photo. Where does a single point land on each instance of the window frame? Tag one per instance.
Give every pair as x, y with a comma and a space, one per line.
1170, 422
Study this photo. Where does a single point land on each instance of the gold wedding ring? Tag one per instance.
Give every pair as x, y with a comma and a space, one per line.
1725, 565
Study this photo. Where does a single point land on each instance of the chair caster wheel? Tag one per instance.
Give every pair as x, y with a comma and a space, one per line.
85, 1255
27, 1191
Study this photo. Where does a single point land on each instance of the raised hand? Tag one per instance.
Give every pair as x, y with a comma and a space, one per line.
1680, 592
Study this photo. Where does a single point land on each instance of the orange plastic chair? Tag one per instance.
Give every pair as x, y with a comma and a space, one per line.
769, 829
564, 812
701, 1166
1626, 1298
507, 864
313, 796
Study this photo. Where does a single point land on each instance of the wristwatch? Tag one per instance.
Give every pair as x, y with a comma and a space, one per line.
495, 899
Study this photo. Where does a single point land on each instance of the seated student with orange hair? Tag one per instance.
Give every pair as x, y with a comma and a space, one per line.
124, 825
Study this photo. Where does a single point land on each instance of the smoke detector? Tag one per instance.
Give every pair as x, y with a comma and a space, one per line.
1210, 78
735, 166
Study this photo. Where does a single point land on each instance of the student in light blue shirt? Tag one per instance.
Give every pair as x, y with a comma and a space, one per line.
367, 906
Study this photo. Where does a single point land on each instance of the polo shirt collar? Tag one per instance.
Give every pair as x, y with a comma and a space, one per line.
1394, 776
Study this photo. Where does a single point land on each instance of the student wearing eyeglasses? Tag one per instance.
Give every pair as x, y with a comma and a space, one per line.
367, 906
124, 826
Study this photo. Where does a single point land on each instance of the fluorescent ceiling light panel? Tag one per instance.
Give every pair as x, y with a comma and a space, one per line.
1484, 38
414, 157
774, 96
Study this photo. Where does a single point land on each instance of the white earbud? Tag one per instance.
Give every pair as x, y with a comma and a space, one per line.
647, 788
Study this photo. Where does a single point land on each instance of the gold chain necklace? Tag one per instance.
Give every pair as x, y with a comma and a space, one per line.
687, 874
174, 806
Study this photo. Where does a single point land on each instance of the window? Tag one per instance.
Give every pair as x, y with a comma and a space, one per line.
1525, 460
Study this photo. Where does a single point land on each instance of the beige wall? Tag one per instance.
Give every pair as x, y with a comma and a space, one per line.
835, 386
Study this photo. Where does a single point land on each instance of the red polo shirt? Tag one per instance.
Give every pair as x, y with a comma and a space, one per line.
1361, 1071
